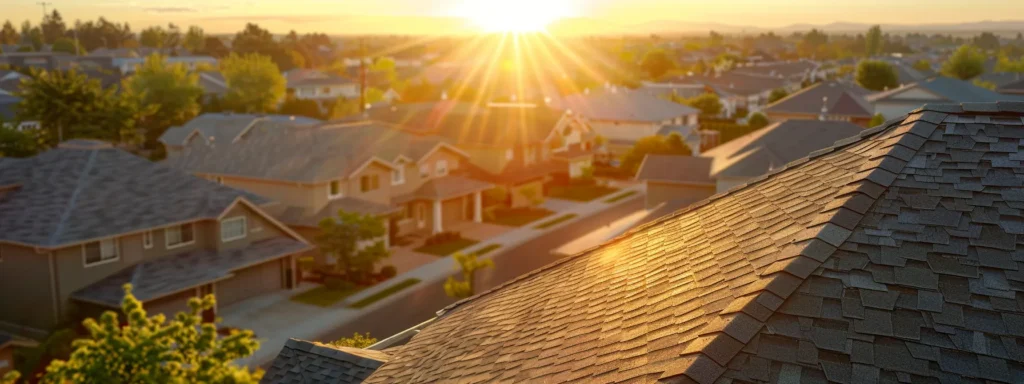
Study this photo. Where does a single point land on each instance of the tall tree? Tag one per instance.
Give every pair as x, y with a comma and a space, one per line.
468, 263
873, 41
923, 66
254, 83
169, 92
656, 63
707, 103
214, 47
964, 64
987, 41
876, 75
195, 39
145, 349
9, 35
340, 238
65, 44
53, 27
153, 37
253, 39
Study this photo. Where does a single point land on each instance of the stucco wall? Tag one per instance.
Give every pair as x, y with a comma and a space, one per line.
658, 193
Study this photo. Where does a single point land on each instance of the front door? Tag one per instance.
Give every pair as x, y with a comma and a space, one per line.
421, 216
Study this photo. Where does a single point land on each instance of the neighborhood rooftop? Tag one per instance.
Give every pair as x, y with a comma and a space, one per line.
888, 257
464, 123
305, 362
222, 127
832, 98
624, 105
676, 169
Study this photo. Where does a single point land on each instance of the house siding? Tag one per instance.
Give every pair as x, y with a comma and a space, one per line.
300, 195
25, 290
257, 228
250, 282
658, 193
490, 159
381, 195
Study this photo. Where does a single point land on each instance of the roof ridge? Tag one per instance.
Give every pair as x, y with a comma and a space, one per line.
89, 164
792, 95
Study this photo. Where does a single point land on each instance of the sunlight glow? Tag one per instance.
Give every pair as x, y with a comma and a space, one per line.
514, 16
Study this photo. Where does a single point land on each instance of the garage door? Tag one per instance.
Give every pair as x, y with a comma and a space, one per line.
250, 282
170, 305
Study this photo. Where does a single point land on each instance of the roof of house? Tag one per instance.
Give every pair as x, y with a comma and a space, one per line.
758, 152
8, 107
306, 362
444, 188
223, 127
950, 89
736, 83
788, 69
319, 81
624, 105
213, 82
86, 190
308, 154
302, 216
838, 98
1013, 86
888, 257
164, 276
676, 169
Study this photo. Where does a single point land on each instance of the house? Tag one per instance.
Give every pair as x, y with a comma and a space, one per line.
325, 90
1010, 83
676, 180
10, 81
795, 71
1012, 88
214, 85
755, 154
890, 257
517, 146
40, 60
80, 221
128, 65
832, 100
214, 128
313, 171
939, 89
8, 344
624, 116
9, 114
331, 364
739, 90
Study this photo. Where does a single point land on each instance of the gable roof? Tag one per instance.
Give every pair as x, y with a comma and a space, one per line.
303, 362
223, 127
838, 98
676, 169
950, 89
624, 105
758, 152
886, 257
86, 190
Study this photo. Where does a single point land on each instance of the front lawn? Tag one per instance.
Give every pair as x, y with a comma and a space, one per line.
579, 192
324, 297
518, 217
487, 249
620, 197
555, 221
447, 248
384, 293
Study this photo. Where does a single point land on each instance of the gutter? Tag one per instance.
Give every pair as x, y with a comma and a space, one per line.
401, 338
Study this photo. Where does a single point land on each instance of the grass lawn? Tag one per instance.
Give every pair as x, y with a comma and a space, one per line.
579, 192
385, 293
620, 197
555, 221
487, 249
324, 297
445, 249
518, 217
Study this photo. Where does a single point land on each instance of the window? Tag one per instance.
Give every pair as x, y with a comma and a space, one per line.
509, 154
326, 90
334, 190
398, 175
369, 183
441, 169
99, 252
424, 171
220, 180
232, 229
179, 235
147, 240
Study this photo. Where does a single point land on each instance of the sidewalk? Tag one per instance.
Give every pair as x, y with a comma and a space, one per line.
280, 319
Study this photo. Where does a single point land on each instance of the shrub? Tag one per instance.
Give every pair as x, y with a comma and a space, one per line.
388, 271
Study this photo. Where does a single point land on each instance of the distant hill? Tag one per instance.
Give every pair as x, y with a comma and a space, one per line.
687, 27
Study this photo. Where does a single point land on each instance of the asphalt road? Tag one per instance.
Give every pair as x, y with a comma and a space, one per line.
429, 297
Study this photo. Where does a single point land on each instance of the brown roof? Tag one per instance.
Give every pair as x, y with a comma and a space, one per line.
889, 257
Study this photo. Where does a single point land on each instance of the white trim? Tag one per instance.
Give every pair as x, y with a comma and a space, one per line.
400, 171
270, 219
183, 244
117, 253
147, 240
247, 128
245, 229
367, 164
339, 195
438, 147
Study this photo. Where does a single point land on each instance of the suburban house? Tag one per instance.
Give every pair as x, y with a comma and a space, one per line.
8, 344
323, 88
738, 90
832, 100
216, 128
890, 257
755, 154
10, 81
214, 85
939, 89
676, 180
1010, 83
312, 172
516, 146
80, 221
128, 65
624, 116
794, 71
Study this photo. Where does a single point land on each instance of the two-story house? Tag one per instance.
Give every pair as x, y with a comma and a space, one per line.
80, 221
215, 128
832, 100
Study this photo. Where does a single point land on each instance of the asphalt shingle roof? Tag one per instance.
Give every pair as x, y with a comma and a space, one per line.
889, 257
952, 90
302, 216
837, 97
677, 169
625, 105
466, 123
306, 362
86, 190
736, 83
224, 127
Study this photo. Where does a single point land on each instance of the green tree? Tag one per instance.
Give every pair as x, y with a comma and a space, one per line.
153, 37
653, 145
923, 66
340, 238
213, 46
873, 41
758, 120
876, 75
777, 94
357, 340
987, 41
656, 63
184, 349
17, 143
343, 108
195, 39
301, 107
707, 103
964, 64
254, 83
1005, 64
169, 92
468, 264
876, 120
53, 27
10, 378
9, 35
26, 48
984, 84
65, 44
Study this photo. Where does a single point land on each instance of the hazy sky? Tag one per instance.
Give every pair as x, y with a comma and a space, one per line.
341, 16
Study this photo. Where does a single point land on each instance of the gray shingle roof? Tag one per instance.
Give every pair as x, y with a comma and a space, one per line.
837, 97
224, 127
735, 83
887, 258
758, 152
444, 188
790, 69
624, 105
86, 190
306, 362
676, 169
952, 90
466, 123
171, 274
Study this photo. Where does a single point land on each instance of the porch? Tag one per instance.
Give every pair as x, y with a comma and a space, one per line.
438, 205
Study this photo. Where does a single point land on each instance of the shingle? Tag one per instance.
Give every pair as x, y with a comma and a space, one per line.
875, 322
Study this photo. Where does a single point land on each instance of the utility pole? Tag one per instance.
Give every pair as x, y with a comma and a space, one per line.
362, 74
44, 4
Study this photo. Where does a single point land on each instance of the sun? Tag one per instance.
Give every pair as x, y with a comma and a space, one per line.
513, 15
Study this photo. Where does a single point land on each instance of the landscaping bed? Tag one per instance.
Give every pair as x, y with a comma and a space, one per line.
518, 217
555, 221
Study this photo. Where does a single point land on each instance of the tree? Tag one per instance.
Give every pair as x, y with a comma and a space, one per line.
777, 94
340, 238
214, 47
356, 341
65, 44
301, 107
153, 37
873, 41
876, 120
10, 378
987, 41
9, 35
254, 83
169, 92
923, 66
17, 143
53, 27
876, 75
1005, 64
984, 84
656, 63
653, 145
253, 39
964, 64
145, 349
195, 39
758, 120
468, 264
707, 103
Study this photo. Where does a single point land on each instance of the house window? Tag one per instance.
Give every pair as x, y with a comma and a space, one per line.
179, 235
369, 183
509, 154
326, 91
232, 229
441, 169
334, 190
424, 171
99, 252
398, 175
147, 240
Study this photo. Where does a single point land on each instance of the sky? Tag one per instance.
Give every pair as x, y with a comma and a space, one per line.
418, 16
